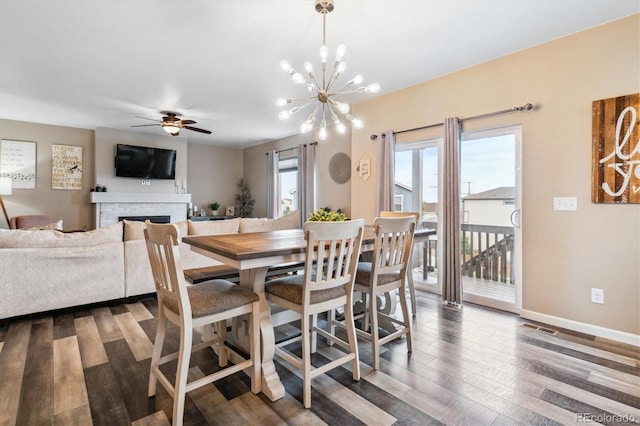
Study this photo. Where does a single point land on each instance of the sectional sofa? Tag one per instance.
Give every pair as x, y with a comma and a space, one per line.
42, 270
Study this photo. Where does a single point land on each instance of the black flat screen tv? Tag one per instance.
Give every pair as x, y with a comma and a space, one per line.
145, 162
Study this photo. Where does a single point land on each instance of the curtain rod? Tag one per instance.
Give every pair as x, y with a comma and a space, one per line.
292, 148
525, 107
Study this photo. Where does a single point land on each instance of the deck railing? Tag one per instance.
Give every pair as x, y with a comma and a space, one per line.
487, 253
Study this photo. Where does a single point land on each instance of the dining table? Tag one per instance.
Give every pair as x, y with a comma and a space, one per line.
252, 254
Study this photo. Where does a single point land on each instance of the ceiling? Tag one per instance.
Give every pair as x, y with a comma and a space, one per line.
90, 64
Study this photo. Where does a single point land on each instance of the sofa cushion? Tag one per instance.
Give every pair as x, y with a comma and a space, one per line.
288, 221
134, 230
213, 227
20, 238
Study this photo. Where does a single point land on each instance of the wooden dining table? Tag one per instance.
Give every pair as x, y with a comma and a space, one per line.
252, 254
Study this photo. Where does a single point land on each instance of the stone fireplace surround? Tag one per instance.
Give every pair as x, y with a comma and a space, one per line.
112, 205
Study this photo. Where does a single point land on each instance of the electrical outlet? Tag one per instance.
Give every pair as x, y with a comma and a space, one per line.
565, 203
597, 295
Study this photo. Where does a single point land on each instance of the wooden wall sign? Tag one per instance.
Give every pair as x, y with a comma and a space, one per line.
615, 172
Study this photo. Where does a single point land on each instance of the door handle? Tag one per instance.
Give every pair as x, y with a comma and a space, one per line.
515, 213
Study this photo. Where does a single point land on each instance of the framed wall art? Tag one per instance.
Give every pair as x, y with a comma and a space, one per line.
615, 172
66, 167
18, 161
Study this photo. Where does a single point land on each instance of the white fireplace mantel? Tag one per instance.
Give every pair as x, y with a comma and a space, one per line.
139, 197
112, 205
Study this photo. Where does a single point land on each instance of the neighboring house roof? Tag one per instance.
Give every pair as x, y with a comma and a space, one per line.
402, 185
500, 193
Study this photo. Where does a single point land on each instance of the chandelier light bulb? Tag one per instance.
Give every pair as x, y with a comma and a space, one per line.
284, 115
355, 122
282, 101
340, 51
342, 107
322, 133
372, 88
306, 127
284, 65
358, 79
324, 54
297, 78
308, 67
341, 67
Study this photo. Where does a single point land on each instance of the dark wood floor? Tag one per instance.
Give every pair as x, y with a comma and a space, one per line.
474, 366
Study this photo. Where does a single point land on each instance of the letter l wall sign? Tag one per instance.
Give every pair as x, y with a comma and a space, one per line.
615, 171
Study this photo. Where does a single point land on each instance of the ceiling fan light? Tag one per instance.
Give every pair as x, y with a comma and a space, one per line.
171, 128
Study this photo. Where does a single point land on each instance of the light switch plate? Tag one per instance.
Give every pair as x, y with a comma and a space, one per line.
565, 203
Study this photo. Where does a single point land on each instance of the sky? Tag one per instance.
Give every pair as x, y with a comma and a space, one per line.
486, 163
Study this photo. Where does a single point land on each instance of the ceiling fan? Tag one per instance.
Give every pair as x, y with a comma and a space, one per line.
172, 124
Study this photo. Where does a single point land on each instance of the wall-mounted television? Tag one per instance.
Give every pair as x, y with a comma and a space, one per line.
145, 162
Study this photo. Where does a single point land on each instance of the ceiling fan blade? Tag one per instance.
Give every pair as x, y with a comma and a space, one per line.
145, 118
188, 122
145, 125
195, 129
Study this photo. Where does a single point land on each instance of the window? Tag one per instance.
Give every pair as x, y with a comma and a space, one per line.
398, 203
288, 182
416, 178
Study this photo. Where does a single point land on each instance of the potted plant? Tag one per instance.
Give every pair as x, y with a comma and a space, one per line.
244, 201
326, 215
214, 208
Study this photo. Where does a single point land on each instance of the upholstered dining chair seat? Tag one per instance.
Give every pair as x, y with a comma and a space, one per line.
213, 297
363, 275
291, 289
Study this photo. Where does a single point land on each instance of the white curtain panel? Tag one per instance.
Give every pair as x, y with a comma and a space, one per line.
451, 271
386, 160
273, 157
306, 180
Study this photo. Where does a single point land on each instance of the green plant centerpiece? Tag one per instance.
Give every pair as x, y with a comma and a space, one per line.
244, 201
214, 208
326, 215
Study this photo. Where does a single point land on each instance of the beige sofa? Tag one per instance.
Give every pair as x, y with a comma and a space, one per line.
41, 270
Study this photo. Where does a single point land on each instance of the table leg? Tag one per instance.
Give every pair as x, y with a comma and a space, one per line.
271, 385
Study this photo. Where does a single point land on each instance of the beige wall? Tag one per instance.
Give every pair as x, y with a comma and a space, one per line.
71, 206
328, 193
565, 254
213, 174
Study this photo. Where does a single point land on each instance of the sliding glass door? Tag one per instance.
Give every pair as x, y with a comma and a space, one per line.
490, 213
490, 210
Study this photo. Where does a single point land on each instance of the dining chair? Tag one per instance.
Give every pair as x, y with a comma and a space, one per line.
412, 288
386, 272
209, 303
332, 250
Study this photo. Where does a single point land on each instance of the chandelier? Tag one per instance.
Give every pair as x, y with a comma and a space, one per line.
324, 89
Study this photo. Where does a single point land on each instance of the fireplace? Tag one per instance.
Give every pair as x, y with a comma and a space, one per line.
153, 219
112, 207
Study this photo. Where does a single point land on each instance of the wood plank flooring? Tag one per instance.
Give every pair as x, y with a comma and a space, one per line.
474, 366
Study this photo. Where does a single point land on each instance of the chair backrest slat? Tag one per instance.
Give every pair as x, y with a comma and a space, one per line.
164, 256
332, 253
394, 239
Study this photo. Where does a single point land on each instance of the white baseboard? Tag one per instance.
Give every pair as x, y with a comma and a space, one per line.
595, 330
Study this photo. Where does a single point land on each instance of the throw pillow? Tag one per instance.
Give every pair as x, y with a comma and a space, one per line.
50, 226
